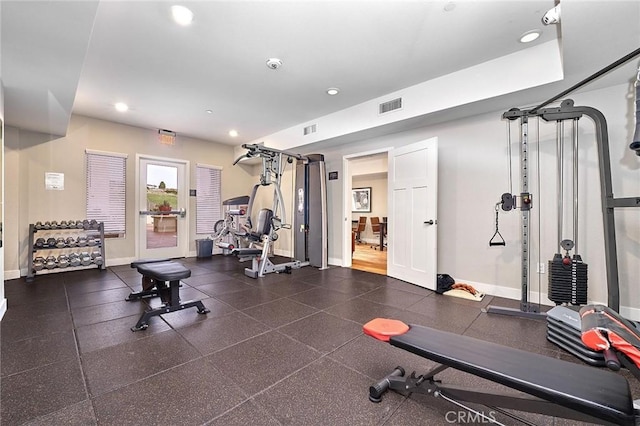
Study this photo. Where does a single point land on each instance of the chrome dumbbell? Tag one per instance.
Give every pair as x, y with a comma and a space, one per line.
54, 224
82, 241
63, 261
74, 259
64, 224
40, 242
51, 262
38, 263
38, 225
61, 242
91, 241
93, 224
85, 258
97, 258
79, 224
71, 242
51, 242
46, 225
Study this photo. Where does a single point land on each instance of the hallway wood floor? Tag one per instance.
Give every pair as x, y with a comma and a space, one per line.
369, 259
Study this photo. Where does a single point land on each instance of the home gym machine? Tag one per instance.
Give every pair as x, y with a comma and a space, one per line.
310, 221
568, 274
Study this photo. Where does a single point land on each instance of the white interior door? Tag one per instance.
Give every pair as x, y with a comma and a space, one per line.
162, 203
413, 196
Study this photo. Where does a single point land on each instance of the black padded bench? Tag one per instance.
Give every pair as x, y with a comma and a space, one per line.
162, 278
554, 387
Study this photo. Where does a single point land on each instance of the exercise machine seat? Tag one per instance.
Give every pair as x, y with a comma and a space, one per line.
164, 271
263, 227
598, 393
161, 277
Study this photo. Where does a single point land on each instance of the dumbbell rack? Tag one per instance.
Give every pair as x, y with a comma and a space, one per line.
96, 232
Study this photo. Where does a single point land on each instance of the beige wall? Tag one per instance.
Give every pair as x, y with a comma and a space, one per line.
32, 154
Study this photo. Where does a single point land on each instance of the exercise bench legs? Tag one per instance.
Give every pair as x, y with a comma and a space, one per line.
162, 278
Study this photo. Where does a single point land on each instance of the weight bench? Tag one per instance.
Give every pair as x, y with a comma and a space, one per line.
552, 386
161, 277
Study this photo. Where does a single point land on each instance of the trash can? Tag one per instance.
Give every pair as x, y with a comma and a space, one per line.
204, 248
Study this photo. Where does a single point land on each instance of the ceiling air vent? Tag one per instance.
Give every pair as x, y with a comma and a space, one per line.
309, 129
390, 106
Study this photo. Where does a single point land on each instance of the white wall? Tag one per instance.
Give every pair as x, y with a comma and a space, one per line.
473, 171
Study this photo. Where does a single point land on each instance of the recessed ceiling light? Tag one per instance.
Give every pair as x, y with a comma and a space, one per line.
121, 106
209, 111
233, 133
181, 15
529, 36
332, 91
449, 6
274, 63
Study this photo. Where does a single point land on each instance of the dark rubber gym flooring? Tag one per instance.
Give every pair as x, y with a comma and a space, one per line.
282, 350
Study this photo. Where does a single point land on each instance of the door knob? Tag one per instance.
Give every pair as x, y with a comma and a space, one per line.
429, 222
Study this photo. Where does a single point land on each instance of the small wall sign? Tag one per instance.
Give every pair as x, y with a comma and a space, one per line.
54, 181
333, 175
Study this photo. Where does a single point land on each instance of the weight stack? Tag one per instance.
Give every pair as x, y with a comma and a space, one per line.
568, 283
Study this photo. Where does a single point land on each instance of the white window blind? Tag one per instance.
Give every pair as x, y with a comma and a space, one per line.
106, 184
208, 197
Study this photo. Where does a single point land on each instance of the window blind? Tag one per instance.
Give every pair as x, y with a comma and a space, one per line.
208, 197
106, 196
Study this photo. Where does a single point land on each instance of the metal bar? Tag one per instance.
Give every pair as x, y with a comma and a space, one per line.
162, 213
568, 111
592, 77
624, 202
575, 184
560, 177
524, 168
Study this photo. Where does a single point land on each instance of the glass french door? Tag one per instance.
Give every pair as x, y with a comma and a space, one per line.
162, 204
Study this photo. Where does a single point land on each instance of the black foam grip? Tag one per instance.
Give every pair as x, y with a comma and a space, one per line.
635, 144
611, 359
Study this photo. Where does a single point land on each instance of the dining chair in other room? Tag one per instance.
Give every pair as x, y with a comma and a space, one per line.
362, 224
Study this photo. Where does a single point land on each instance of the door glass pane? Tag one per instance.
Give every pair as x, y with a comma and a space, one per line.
162, 198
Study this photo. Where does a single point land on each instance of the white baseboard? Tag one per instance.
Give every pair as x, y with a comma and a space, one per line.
3, 308
119, 261
334, 261
12, 275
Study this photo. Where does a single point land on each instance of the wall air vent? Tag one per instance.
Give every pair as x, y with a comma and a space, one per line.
309, 129
390, 106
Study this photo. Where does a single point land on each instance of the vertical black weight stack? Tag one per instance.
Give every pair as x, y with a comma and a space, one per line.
567, 280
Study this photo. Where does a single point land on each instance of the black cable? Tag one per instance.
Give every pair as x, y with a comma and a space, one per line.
592, 77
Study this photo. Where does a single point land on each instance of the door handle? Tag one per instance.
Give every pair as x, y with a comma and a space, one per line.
429, 222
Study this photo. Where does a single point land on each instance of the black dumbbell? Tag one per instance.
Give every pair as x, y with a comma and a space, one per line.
71, 242
51, 242
40, 242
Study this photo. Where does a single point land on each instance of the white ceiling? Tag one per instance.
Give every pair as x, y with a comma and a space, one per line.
63, 57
